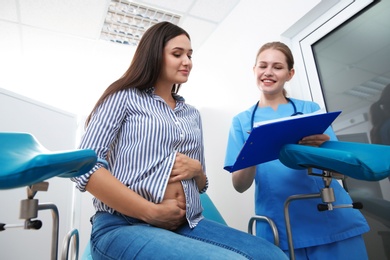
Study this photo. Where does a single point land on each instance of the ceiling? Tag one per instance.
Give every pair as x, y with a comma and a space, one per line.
344, 64
85, 18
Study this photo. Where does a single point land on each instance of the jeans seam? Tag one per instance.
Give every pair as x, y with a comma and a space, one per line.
100, 252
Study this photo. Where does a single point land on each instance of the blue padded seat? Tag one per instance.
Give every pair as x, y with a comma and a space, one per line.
368, 162
210, 211
24, 161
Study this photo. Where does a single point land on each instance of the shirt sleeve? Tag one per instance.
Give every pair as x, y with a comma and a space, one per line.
206, 186
101, 131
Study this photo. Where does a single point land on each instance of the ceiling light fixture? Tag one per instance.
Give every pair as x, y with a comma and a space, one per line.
371, 89
127, 21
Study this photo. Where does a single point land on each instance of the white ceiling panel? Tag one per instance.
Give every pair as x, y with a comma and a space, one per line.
13, 36
9, 10
199, 30
74, 17
175, 6
213, 10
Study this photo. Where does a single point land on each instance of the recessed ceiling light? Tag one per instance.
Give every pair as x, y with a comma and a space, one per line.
371, 89
127, 21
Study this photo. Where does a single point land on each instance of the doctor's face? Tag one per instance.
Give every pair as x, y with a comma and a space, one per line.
272, 72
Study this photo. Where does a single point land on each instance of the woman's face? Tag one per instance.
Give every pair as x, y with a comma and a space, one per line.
177, 62
271, 71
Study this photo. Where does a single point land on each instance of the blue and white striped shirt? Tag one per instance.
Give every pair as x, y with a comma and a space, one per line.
139, 135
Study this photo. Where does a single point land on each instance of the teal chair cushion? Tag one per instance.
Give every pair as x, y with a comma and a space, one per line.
368, 162
24, 161
210, 211
87, 252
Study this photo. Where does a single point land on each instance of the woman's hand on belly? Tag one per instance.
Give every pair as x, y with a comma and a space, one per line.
170, 215
171, 212
186, 168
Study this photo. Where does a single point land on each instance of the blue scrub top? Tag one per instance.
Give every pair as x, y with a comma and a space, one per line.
276, 182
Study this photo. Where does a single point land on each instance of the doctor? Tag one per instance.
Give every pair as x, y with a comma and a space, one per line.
316, 235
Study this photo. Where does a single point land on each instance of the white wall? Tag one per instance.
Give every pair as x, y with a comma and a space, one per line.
56, 130
60, 70
43, 64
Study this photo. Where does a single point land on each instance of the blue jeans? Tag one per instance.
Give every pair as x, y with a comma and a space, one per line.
115, 236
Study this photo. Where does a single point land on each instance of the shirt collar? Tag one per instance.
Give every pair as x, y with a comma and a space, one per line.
177, 97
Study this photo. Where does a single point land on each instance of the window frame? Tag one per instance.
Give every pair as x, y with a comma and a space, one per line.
316, 24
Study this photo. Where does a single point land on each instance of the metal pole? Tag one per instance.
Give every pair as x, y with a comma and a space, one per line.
55, 230
287, 218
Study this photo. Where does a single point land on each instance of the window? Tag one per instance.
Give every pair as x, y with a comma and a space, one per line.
343, 62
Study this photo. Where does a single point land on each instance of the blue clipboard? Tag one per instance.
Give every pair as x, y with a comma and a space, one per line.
265, 141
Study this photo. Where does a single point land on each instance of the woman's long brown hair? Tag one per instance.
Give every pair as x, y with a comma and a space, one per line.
146, 64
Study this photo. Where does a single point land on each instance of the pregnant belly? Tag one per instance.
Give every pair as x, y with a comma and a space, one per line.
175, 191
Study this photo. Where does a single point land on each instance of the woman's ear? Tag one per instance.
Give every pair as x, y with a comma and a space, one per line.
291, 74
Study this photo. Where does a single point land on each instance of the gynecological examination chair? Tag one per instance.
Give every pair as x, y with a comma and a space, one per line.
336, 160
24, 162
